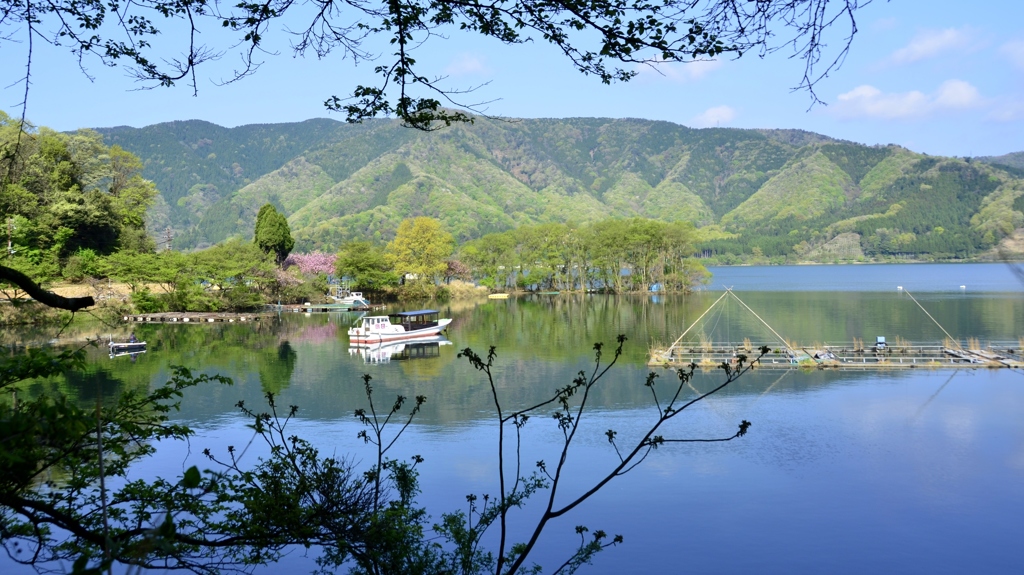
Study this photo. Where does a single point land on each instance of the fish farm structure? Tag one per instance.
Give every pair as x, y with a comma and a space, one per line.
880, 354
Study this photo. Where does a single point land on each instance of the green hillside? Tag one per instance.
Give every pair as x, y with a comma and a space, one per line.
775, 193
1013, 160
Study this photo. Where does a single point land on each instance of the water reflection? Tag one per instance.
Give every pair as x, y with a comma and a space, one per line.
418, 348
842, 472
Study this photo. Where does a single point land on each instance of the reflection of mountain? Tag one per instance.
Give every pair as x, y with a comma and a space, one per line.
420, 348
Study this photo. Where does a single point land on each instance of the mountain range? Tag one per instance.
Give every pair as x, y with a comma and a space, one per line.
783, 192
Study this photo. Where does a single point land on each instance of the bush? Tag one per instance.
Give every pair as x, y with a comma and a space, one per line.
464, 290
192, 298
417, 291
442, 293
83, 263
242, 298
319, 284
145, 301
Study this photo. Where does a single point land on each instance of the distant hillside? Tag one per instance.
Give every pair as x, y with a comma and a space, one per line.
784, 192
1014, 160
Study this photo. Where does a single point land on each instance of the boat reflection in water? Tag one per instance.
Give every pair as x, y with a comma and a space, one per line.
418, 348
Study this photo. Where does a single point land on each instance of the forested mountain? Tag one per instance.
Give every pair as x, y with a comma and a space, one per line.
1013, 160
773, 193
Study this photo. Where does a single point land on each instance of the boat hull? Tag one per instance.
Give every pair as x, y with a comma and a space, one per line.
127, 346
358, 336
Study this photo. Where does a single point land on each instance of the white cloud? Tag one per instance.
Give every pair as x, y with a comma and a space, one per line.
870, 102
930, 43
714, 117
467, 65
1014, 52
680, 72
956, 94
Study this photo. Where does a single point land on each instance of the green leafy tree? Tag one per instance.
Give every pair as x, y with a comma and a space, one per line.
491, 258
134, 269
272, 233
366, 265
421, 248
131, 196
66, 198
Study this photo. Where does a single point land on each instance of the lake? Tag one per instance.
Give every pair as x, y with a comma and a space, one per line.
841, 472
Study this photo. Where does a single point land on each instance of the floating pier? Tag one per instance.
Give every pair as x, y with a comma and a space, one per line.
785, 354
194, 317
323, 308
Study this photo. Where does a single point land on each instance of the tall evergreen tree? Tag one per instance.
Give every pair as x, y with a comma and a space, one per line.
273, 234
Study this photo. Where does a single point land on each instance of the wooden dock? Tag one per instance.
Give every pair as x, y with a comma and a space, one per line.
844, 356
194, 317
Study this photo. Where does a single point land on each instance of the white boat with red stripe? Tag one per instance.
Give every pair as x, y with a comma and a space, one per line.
397, 326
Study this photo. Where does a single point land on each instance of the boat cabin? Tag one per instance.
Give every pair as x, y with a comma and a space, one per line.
376, 323
413, 320
880, 343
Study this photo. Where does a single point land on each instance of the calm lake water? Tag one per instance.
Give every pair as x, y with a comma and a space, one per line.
841, 472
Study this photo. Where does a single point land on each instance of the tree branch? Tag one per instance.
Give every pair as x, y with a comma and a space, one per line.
44, 297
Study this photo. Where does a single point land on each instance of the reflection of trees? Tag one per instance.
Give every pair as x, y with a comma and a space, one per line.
237, 349
424, 368
318, 333
562, 327
276, 369
542, 342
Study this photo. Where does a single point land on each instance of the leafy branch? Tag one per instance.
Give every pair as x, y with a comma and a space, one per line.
609, 39
570, 403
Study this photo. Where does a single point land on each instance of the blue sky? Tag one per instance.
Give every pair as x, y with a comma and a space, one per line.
933, 76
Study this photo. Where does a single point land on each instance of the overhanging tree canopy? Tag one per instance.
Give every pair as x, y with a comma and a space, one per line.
605, 38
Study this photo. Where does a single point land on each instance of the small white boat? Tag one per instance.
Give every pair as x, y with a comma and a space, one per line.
353, 299
397, 326
126, 346
122, 348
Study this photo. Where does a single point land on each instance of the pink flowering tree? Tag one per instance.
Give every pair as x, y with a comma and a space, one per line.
312, 264
457, 271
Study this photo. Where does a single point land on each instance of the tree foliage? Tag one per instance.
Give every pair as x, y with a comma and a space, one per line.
594, 256
421, 248
71, 191
313, 263
66, 200
272, 233
606, 39
365, 264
